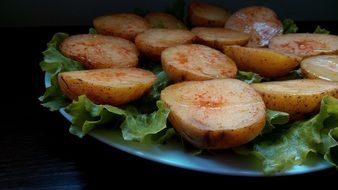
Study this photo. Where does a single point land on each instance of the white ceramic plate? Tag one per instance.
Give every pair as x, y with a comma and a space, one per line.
173, 153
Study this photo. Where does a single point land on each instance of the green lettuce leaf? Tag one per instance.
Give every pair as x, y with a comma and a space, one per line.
294, 74
86, 115
159, 24
140, 127
274, 118
53, 63
161, 137
329, 134
249, 77
135, 126
320, 30
92, 31
147, 103
161, 82
189, 148
285, 148
289, 26
180, 26
332, 147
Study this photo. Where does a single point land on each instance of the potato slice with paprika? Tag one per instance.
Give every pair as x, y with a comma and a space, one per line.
305, 44
196, 62
96, 51
124, 25
260, 22
264, 61
321, 67
219, 37
152, 42
202, 14
215, 114
296, 97
107, 86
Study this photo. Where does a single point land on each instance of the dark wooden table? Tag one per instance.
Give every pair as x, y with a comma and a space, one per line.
37, 151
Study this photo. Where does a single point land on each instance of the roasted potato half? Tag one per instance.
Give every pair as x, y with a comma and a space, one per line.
164, 20
219, 37
152, 42
296, 97
260, 22
201, 14
305, 44
321, 67
107, 86
196, 62
264, 61
124, 25
215, 114
97, 51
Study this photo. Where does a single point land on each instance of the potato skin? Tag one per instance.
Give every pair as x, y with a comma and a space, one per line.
201, 14
219, 37
215, 114
305, 44
164, 20
196, 62
153, 41
124, 25
265, 62
107, 86
214, 140
258, 21
98, 52
296, 97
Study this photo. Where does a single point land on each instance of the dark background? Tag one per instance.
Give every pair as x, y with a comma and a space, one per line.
80, 12
36, 149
